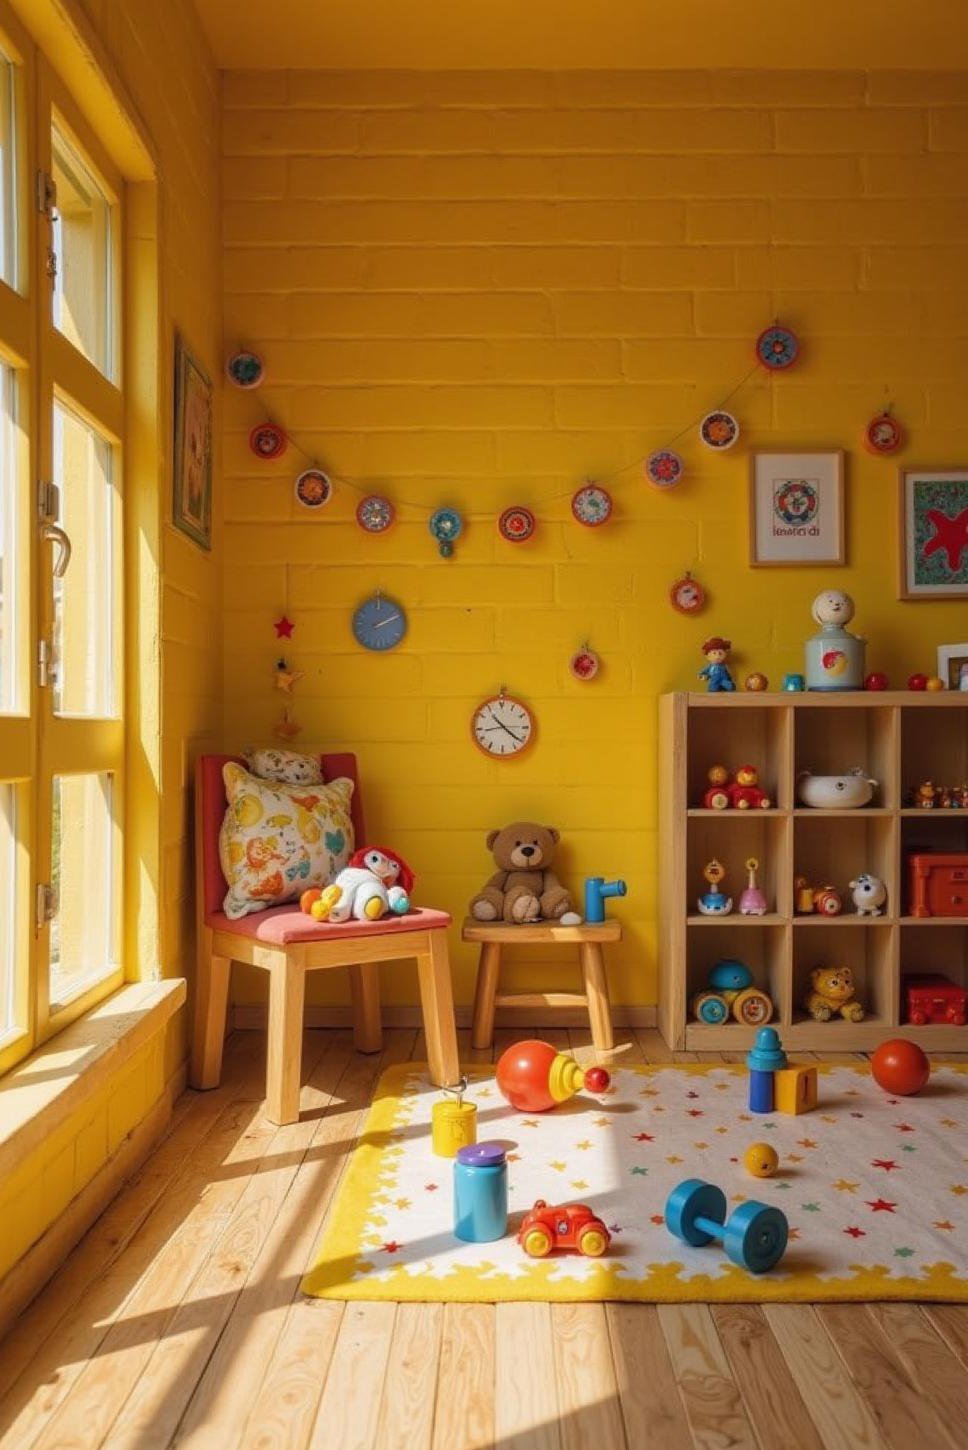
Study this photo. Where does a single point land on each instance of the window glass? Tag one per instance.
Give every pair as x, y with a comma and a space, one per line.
8, 902
82, 932
8, 175
84, 597
83, 292
9, 489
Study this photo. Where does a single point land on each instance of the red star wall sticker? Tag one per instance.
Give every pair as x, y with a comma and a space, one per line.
951, 535
284, 627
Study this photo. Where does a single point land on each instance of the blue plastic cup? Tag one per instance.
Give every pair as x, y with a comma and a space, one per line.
481, 1193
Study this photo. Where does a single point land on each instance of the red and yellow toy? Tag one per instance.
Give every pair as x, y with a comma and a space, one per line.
569, 1226
534, 1076
740, 792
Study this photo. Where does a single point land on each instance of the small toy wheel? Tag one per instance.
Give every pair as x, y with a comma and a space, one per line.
829, 906
752, 1007
765, 803
694, 1199
718, 800
593, 1242
711, 1008
537, 1243
756, 1237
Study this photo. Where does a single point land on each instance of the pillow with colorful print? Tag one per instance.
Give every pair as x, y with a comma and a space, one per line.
292, 766
277, 839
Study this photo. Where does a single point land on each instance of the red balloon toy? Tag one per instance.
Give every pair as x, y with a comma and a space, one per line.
534, 1076
900, 1067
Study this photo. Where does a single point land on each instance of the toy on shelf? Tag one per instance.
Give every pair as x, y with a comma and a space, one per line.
869, 893
534, 1076
731, 990
481, 1193
832, 995
524, 888
938, 883
836, 792
713, 902
934, 683
740, 792
754, 1235
925, 797
761, 1160
764, 1059
833, 657
756, 682
715, 671
794, 682
567, 1226
453, 1123
375, 882
928, 797
752, 902
795, 1090
917, 682
876, 681
597, 890
900, 1067
932, 997
825, 900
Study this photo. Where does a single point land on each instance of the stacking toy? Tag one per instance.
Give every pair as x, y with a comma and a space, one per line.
453, 1123
754, 1236
534, 1076
764, 1058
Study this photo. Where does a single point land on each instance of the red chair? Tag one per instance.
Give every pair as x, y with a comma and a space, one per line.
287, 944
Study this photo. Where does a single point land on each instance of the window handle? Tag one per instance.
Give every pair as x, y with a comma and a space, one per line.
53, 533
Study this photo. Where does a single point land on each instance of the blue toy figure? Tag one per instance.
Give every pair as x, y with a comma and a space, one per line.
765, 1057
715, 672
596, 890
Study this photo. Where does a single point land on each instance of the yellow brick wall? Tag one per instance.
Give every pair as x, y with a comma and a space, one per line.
478, 290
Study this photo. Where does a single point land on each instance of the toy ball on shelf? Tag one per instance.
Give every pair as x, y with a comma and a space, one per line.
934, 682
794, 682
876, 681
534, 1076
917, 682
756, 682
900, 1067
761, 1160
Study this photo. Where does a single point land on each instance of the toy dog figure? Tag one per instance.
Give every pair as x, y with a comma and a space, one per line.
870, 893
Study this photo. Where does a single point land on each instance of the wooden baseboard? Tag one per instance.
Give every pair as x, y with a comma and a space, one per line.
254, 1017
42, 1260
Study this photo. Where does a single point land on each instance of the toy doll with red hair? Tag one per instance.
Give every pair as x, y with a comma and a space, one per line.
376, 881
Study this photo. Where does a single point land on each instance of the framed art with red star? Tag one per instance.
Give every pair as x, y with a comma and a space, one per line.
933, 533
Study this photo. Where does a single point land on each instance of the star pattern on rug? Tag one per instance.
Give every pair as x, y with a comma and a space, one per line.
944, 1223
903, 1253
844, 1185
959, 1188
887, 1164
810, 1207
855, 1232
643, 1137
904, 1127
880, 1205
584, 1145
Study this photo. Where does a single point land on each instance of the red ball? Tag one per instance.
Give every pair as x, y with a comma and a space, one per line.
876, 681
596, 1079
522, 1075
900, 1067
918, 682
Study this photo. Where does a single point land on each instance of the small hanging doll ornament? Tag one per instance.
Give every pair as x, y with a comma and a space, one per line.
285, 677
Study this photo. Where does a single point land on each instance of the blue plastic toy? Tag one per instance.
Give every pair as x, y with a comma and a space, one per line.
596, 891
764, 1058
481, 1193
754, 1236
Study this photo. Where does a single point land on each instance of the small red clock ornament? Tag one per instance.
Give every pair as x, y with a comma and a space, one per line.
585, 663
687, 595
516, 524
268, 441
883, 435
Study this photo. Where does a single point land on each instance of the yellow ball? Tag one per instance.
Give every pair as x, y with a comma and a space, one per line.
756, 682
934, 683
761, 1160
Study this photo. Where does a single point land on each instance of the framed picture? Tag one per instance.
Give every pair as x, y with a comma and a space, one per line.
797, 508
933, 528
953, 665
191, 509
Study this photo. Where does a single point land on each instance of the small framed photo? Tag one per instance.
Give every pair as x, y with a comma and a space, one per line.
953, 665
191, 507
933, 532
797, 508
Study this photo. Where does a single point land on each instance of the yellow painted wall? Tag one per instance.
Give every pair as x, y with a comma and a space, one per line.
479, 289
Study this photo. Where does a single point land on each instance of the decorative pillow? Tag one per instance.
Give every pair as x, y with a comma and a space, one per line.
277, 839
290, 766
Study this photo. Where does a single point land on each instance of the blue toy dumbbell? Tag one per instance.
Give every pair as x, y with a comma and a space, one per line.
754, 1236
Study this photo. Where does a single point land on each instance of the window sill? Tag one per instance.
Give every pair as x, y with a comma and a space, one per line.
41, 1092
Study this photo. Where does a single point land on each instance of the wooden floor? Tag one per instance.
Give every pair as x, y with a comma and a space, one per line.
178, 1321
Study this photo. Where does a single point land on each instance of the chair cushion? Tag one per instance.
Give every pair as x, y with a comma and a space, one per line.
281, 926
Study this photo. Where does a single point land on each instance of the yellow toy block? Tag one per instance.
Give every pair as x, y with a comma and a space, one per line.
795, 1090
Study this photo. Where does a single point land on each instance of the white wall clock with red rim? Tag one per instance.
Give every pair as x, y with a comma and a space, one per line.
883, 435
687, 595
502, 726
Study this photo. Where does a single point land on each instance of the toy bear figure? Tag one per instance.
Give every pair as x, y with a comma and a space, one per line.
524, 888
832, 994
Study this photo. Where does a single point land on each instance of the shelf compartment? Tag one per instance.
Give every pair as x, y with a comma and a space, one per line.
934, 746
944, 952
764, 952
749, 833
759, 736
829, 853
854, 736
871, 956
932, 833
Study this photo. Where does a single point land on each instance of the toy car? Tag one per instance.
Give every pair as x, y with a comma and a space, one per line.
567, 1226
934, 998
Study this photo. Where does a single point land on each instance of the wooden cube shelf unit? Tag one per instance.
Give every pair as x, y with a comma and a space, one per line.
899, 739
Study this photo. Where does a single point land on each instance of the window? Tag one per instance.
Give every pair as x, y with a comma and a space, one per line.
8, 173
10, 550
83, 247
83, 936
8, 909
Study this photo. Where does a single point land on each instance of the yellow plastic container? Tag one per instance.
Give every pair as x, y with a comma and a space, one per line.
453, 1126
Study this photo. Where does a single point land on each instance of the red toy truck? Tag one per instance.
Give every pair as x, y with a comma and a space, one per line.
933, 998
569, 1226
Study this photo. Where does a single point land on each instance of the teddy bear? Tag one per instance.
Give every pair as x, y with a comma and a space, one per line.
832, 994
524, 888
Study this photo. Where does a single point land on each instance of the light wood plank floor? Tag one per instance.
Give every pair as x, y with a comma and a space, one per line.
178, 1321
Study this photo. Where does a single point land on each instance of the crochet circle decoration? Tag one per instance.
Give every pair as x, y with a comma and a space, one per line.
592, 505
664, 469
516, 524
777, 348
268, 441
313, 488
719, 430
374, 514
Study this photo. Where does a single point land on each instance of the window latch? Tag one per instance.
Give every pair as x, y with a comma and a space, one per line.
46, 904
46, 194
45, 664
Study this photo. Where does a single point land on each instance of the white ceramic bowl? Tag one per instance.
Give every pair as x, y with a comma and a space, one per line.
835, 792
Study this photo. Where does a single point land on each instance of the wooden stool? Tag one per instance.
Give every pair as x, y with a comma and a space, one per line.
494, 935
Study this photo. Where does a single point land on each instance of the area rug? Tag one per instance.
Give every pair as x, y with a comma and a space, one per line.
875, 1190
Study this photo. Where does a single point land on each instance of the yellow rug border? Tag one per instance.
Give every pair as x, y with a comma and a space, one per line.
341, 1240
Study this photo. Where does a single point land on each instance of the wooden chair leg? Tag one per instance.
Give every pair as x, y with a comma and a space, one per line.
488, 969
365, 991
287, 989
596, 991
437, 1003
208, 1027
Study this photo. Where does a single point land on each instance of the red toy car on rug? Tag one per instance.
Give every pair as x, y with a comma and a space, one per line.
934, 998
569, 1226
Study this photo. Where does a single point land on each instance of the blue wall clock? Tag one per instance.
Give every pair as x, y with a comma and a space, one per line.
379, 623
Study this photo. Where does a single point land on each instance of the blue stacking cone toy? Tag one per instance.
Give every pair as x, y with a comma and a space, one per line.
764, 1058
